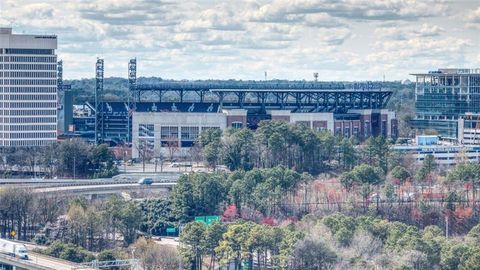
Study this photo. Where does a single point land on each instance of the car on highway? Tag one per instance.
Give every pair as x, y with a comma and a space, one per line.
145, 181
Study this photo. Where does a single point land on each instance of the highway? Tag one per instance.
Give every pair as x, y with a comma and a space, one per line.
118, 184
103, 188
53, 263
38, 261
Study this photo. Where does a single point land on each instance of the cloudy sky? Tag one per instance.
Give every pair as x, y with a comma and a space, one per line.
290, 39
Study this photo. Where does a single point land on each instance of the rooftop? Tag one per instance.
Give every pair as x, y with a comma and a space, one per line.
450, 71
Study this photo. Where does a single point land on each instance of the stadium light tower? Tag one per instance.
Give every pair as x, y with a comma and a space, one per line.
315, 75
99, 127
132, 81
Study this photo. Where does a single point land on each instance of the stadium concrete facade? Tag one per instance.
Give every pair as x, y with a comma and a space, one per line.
167, 131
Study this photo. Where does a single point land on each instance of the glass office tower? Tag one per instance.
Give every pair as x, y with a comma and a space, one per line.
444, 97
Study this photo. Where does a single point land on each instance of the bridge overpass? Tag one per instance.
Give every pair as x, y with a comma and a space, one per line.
119, 184
104, 189
38, 261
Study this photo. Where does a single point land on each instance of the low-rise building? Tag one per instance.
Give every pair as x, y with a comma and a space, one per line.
444, 153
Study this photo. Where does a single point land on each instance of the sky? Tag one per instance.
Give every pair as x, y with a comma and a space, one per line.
289, 39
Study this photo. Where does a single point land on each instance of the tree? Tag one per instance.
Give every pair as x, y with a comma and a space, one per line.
145, 151
400, 173
212, 237
172, 144
69, 252
377, 152
366, 174
453, 256
73, 158
428, 167
239, 150
210, 140
468, 173
129, 222
152, 256
157, 216
234, 244
312, 254
348, 156
111, 255
192, 237
347, 179
198, 194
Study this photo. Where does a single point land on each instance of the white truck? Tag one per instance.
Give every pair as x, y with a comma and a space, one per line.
13, 249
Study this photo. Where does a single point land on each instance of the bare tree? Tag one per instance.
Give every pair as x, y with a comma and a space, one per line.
145, 151
152, 256
159, 157
196, 152
173, 146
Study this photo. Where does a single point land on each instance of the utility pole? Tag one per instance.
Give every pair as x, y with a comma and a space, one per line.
446, 226
74, 165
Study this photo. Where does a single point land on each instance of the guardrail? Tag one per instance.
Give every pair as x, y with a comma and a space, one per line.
118, 179
98, 189
22, 263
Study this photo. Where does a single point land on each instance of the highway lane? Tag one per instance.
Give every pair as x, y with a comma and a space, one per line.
104, 187
54, 263
116, 180
38, 261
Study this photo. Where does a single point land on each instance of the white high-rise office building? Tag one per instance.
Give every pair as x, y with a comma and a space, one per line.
28, 89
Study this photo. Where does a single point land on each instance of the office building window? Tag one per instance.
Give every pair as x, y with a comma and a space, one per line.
146, 131
168, 132
189, 133
237, 125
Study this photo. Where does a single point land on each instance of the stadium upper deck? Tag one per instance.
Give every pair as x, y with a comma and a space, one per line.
262, 95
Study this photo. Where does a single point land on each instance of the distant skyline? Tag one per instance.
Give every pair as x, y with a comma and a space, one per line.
290, 39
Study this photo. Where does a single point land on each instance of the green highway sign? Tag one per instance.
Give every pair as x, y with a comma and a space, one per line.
210, 219
207, 219
200, 219
171, 230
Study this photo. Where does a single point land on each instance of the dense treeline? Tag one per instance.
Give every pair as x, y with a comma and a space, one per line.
255, 194
277, 143
23, 212
96, 226
333, 242
92, 225
72, 158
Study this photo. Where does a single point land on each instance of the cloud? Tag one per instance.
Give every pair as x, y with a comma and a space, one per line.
473, 19
295, 10
219, 18
141, 12
406, 32
343, 39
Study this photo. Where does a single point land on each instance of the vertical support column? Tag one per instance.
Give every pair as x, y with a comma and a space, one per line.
99, 111
132, 87
220, 99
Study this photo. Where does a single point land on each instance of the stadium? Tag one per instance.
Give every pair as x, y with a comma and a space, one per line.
174, 113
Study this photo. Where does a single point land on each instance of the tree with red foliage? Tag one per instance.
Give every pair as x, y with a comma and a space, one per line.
230, 213
268, 221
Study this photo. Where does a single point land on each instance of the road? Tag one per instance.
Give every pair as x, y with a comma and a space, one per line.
167, 168
51, 262
38, 261
125, 187
168, 241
